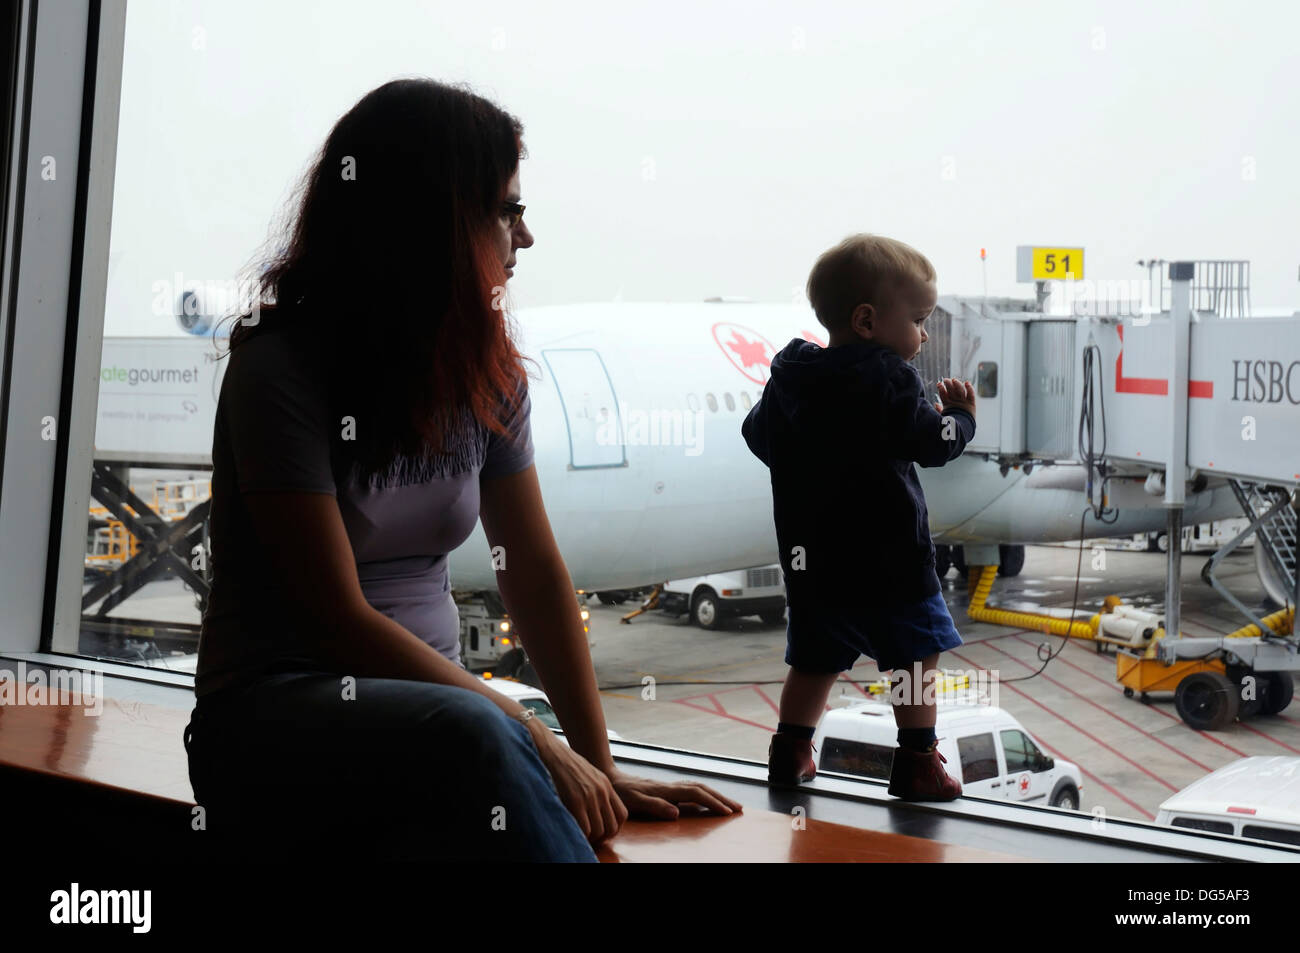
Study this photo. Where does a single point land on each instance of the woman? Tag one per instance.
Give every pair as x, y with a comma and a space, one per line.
372, 411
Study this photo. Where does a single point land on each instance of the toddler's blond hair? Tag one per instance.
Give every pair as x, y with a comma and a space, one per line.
862, 269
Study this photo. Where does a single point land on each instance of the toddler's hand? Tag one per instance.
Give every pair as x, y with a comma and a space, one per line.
956, 393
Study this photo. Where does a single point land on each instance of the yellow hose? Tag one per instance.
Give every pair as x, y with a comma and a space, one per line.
1050, 625
1282, 622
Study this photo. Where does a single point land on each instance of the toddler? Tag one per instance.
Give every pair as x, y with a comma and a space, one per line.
840, 429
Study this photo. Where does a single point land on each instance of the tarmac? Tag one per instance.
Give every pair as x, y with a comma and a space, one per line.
1132, 755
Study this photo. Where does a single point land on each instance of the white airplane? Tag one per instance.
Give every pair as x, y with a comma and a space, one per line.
664, 504
636, 427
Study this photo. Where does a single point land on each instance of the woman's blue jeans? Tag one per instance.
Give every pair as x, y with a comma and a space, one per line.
310, 762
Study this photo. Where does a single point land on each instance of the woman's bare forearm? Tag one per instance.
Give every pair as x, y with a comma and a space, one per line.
544, 609
367, 644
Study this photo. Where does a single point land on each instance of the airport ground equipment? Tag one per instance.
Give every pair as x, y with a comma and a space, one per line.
979, 611
143, 543
1185, 388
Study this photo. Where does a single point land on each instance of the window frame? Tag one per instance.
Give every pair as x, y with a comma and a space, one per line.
65, 104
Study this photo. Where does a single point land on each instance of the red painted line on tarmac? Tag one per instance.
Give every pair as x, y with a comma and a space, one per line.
1124, 721
763, 696
710, 695
1209, 737
717, 706
1137, 807
1277, 741
722, 714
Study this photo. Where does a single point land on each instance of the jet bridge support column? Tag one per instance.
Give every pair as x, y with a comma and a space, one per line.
1180, 276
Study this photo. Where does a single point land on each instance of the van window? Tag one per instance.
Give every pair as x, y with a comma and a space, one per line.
856, 757
979, 758
544, 711
1021, 753
1202, 824
1279, 835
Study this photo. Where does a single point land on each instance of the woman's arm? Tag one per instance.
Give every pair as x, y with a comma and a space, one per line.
540, 597
307, 544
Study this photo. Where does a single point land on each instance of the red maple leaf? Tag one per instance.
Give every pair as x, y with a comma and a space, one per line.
749, 352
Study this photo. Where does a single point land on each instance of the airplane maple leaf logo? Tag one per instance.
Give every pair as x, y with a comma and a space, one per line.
750, 353
747, 350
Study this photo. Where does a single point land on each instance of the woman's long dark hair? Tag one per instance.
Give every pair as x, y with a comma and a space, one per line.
392, 261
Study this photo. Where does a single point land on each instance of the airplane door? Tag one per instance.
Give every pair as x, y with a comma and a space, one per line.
590, 407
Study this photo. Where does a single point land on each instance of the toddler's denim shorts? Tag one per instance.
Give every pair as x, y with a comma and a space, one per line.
821, 642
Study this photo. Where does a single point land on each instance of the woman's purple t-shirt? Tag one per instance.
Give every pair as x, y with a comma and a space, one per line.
273, 433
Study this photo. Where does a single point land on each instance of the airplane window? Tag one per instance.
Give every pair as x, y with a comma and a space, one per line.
730, 401
745, 402
711, 401
693, 403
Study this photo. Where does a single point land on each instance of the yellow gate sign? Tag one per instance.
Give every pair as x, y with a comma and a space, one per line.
1035, 263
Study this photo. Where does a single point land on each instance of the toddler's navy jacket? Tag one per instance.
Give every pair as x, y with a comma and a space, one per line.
841, 428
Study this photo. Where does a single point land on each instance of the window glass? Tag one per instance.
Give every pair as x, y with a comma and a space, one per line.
1019, 751
1279, 835
665, 531
1202, 824
856, 757
544, 711
979, 758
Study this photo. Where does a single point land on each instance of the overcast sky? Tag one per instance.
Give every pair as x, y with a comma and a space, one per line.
686, 149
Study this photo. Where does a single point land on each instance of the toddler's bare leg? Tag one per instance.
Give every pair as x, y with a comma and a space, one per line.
803, 699
911, 712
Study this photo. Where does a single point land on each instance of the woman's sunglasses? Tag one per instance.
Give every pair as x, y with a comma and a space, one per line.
513, 211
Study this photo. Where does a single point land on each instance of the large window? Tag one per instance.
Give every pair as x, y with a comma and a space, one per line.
670, 173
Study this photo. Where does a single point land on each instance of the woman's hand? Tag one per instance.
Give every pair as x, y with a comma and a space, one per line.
601, 803
584, 790
660, 799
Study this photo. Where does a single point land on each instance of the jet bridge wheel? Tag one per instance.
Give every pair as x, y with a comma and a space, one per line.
1279, 688
1207, 701
1248, 707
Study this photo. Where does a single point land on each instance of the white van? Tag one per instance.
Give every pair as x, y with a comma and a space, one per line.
711, 599
1256, 797
988, 751
535, 699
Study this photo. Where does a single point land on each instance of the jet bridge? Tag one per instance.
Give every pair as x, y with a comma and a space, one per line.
1187, 390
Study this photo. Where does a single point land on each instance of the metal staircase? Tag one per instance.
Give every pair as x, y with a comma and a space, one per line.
1275, 535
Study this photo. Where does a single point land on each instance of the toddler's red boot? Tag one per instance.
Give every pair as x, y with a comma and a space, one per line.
790, 760
921, 776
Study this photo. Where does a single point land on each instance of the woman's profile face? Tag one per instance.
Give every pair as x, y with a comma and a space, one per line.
510, 238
